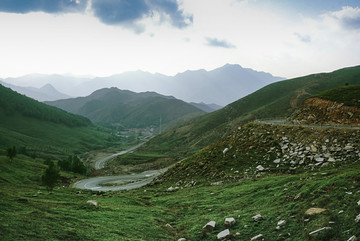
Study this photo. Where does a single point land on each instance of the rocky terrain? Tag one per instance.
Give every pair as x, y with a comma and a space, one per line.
257, 148
325, 112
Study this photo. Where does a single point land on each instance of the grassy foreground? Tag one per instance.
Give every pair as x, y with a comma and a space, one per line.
29, 212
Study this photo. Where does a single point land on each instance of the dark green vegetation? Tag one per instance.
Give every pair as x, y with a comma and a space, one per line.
51, 175
45, 129
349, 95
135, 163
128, 109
29, 212
276, 100
222, 180
12, 103
72, 164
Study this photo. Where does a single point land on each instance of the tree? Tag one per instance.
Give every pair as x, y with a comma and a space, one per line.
11, 152
50, 176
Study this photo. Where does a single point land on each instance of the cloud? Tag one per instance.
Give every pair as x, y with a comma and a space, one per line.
348, 17
214, 42
128, 12
52, 6
170, 8
303, 38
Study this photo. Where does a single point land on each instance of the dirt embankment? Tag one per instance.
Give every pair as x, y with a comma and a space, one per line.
324, 112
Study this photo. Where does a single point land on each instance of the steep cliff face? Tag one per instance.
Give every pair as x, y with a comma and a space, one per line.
324, 112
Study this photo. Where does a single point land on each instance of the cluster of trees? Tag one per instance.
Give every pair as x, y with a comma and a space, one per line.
72, 164
52, 174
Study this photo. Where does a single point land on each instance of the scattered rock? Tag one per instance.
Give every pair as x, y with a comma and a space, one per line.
168, 226
341, 211
229, 221
281, 223
257, 217
357, 219
209, 226
260, 168
258, 237
314, 211
182, 239
352, 238
358, 203
316, 232
217, 183
224, 234
92, 202
78, 192
277, 161
225, 150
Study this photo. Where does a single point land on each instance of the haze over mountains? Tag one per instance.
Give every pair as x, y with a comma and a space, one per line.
220, 86
45, 93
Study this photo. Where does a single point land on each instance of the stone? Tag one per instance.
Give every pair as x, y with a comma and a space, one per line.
313, 149
281, 223
92, 202
171, 189
258, 237
229, 221
277, 161
182, 239
316, 232
225, 150
314, 211
168, 226
348, 147
358, 203
260, 168
209, 226
257, 217
357, 219
352, 238
224, 234
319, 159
331, 160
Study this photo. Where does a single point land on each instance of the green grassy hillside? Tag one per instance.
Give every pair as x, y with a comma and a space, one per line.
273, 101
29, 212
128, 109
349, 95
27, 123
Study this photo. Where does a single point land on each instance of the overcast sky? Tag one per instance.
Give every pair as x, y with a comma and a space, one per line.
103, 37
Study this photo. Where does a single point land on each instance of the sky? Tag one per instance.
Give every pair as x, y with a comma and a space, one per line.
104, 37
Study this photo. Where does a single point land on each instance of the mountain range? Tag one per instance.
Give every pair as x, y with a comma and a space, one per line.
220, 86
128, 109
44, 93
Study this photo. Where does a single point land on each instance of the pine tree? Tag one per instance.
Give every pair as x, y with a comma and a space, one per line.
11, 152
50, 176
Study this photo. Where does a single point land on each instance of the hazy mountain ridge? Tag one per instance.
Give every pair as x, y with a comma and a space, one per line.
127, 108
44, 93
220, 86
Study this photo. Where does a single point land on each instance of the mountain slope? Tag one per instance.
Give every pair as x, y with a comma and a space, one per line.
275, 100
128, 109
26, 122
226, 84
45, 93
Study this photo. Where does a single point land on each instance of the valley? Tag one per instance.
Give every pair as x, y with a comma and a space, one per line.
279, 169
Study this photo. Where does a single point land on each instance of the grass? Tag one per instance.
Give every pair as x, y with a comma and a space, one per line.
276, 100
29, 212
134, 163
349, 95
